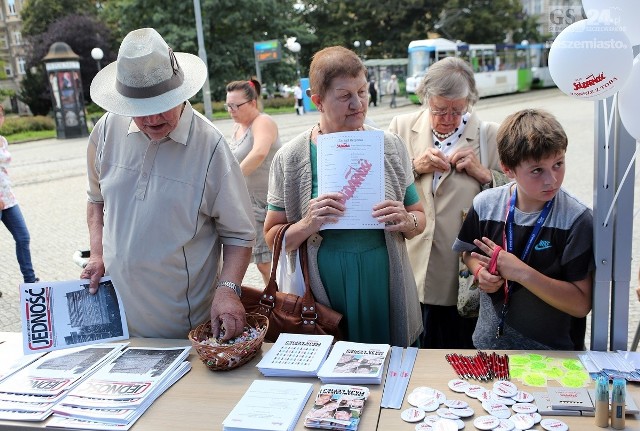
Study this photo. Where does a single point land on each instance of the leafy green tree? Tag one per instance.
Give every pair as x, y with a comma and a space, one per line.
486, 21
230, 28
34, 93
390, 25
36, 15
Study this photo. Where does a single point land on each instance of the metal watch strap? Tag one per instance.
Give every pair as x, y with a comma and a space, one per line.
231, 285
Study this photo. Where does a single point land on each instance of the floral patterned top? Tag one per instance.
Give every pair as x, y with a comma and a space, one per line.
6, 195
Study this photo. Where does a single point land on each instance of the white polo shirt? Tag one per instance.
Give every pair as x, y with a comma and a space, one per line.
168, 207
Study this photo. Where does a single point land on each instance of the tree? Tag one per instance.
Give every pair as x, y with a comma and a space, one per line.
230, 28
486, 21
34, 93
82, 33
36, 15
389, 25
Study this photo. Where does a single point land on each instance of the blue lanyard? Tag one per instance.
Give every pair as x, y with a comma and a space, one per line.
508, 245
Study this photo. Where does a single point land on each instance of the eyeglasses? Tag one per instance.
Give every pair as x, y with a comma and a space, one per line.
444, 112
233, 106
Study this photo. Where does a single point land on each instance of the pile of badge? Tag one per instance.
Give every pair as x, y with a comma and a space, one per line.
507, 407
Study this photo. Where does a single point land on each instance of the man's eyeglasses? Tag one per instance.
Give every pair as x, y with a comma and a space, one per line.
233, 106
444, 112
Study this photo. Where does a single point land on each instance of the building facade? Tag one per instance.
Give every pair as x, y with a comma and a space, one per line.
12, 53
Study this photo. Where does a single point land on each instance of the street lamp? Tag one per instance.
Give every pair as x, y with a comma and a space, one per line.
294, 47
357, 44
97, 55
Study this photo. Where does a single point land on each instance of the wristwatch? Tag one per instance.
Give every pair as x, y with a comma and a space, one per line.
486, 186
231, 285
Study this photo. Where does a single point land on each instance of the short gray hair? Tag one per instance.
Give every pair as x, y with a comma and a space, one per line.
451, 78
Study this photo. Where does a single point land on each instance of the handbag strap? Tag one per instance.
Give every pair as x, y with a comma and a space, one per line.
272, 287
484, 158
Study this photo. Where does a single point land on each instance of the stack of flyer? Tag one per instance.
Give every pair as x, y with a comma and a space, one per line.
337, 407
296, 355
118, 393
354, 363
269, 405
30, 393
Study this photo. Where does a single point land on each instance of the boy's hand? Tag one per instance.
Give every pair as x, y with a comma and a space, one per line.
509, 266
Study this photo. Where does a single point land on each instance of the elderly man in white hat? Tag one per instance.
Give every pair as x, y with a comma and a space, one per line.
165, 194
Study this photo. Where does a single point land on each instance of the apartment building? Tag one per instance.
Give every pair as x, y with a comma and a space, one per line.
12, 53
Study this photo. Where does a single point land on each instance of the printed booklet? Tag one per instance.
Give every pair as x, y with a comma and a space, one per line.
61, 314
270, 406
337, 407
354, 363
296, 355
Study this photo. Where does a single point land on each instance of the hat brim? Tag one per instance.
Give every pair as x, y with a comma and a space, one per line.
104, 94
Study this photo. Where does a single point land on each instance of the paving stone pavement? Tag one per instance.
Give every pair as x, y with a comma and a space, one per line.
49, 182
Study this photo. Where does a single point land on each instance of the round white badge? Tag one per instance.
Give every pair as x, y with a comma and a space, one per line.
431, 419
446, 414
474, 391
486, 422
418, 398
523, 397
487, 396
456, 404
522, 421
498, 410
554, 425
412, 414
536, 417
504, 400
524, 408
505, 388
445, 425
431, 405
505, 425
458, 385
423, 426
465, 412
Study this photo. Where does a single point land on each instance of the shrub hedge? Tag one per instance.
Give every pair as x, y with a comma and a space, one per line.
13, 125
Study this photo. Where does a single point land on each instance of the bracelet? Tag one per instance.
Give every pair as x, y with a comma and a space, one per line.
231, 285
415, 221
475, 274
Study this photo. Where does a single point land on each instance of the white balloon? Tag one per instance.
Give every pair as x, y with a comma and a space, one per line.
629, 101
624, 14
590, 61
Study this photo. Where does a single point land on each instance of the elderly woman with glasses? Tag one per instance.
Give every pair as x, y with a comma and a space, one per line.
364, 274
254, 141
443, 140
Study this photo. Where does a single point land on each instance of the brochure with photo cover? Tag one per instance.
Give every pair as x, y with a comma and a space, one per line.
296, 355
354, 363
62, 314
337, 407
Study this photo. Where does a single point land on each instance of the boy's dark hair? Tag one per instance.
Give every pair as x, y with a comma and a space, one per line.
529, 134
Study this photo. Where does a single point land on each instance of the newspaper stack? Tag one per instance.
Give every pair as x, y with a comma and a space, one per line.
337, 407
29, 394
118, 393
296, 355
354, 363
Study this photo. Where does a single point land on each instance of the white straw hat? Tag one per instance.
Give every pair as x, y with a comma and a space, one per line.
148, 77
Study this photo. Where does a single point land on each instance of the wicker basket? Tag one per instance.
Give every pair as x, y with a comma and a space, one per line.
223, 358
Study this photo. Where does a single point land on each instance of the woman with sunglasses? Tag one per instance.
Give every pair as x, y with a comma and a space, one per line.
254, 141
443, 140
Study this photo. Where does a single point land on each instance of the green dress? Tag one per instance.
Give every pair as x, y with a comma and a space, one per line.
354, 269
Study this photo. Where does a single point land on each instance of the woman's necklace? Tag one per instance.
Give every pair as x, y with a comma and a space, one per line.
442, 136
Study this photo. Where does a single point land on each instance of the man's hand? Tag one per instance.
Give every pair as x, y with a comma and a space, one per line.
227, 310
93, 271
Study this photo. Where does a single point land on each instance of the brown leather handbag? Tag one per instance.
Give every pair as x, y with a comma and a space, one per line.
288, 312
